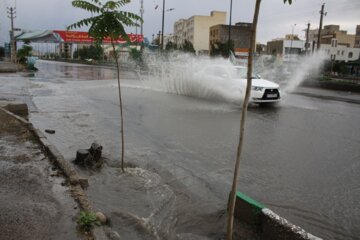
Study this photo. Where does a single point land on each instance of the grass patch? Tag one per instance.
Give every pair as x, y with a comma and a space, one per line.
87, 220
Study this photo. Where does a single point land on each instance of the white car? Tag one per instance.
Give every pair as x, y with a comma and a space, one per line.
233, 79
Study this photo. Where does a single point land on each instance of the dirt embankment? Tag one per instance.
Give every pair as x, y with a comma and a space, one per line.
34, 204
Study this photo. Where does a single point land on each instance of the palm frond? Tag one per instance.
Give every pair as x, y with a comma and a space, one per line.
111, 5
87, 5
109, 22
128, 19
81, 23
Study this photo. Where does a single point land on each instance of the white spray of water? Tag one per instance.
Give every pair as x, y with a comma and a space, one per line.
182, 74
307, 66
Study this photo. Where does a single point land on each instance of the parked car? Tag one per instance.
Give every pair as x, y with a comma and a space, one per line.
234, 79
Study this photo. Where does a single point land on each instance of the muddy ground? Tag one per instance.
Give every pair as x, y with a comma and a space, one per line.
34, 204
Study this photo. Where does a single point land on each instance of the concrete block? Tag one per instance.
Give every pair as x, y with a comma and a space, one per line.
18, 108
38, 133
247, 209
274, 227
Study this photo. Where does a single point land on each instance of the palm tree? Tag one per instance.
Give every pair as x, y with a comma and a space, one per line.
231, 206
108, 22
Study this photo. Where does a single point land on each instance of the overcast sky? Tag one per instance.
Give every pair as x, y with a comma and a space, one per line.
275, 20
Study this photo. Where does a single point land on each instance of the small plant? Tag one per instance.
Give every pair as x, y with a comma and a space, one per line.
87, 220
24, 52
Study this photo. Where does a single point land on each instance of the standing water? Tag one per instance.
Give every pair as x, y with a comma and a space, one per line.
292, 163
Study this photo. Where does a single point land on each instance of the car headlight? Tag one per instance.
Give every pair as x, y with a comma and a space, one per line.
255, 88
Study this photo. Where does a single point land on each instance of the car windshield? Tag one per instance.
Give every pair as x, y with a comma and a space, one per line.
240, 72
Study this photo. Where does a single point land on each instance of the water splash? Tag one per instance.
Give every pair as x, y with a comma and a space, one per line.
307, 66
180, 73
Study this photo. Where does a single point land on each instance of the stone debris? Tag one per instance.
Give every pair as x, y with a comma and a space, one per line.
51, 131
90, 158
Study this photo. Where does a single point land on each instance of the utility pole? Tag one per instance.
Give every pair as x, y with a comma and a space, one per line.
307, 38
141, 15
11, 12
291, 41
162, 26
159, 38
230, 22
322, 13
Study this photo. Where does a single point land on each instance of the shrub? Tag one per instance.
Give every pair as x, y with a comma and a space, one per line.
24, 52
87, 220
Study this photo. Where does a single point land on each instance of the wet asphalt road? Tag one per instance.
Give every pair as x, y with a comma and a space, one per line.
301, 158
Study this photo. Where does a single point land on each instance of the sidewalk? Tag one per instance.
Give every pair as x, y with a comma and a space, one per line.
8, 67
34, 201
334, 95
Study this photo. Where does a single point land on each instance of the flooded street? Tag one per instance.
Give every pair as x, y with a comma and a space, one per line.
301, 157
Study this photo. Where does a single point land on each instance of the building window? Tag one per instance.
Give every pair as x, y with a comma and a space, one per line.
333, 42
350, 55
338, 52
342, 53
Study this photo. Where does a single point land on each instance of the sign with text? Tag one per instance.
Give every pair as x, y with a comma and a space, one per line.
83, 37
242, 55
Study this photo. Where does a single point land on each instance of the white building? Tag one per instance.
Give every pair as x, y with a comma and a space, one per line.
288, 48
196, 30
337, 52
337, 44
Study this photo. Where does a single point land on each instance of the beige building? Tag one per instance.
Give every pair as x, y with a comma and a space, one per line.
357, 37
239, 33
288, 48
196, 30
331, 32
337, 44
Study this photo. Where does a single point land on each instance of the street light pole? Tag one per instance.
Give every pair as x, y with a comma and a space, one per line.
141, 15
230, 22
291, 40
162, 26
12, 12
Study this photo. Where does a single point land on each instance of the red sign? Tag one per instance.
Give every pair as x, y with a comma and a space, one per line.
83, 37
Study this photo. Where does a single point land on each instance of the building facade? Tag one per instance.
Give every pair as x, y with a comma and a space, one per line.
341, 52
357, 37
337, 44
239, 33
196, 30
288, 48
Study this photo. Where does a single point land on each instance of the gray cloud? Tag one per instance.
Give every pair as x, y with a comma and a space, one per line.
275, 18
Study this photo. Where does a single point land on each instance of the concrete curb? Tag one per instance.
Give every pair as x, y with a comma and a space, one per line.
77, 191
270, 225
333, 98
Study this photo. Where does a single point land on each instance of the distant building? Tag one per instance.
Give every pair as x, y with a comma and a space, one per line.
330, 32
337, 44
288, 48
357, 37
65, 50
261, 48
341, 52
239, 33
196, 30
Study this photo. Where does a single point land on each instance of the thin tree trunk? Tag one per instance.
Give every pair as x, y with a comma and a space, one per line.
231, 207
121, 107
